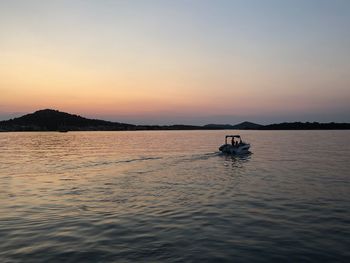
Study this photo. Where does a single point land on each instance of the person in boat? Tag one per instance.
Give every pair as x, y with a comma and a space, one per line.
233, 141
240, 141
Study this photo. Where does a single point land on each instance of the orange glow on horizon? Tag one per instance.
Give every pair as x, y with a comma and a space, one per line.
130, 59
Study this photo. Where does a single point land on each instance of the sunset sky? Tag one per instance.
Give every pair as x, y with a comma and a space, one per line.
177, 61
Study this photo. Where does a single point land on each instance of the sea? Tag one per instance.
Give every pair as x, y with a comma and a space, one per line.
170, 196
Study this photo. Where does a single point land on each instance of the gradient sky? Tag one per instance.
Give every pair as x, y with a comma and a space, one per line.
177, 61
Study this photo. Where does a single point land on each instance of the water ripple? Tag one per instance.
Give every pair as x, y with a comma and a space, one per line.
91, 197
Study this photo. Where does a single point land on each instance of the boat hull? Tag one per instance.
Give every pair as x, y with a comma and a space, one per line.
230, 149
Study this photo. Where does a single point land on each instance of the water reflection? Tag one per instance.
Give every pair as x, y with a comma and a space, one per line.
172, 198
236, 161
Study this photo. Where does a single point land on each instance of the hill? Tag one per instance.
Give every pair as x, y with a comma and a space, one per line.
53, 120
247, 126
307, 126
241, 126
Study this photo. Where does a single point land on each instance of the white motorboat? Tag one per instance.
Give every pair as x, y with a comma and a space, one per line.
236, 147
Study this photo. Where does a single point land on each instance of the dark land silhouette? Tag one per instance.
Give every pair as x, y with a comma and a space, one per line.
307, 126
241, 126
54, 120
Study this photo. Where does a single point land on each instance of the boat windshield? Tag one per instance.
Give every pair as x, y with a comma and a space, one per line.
233, 139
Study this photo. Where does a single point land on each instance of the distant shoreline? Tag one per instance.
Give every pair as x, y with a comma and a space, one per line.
55, 121
2, 131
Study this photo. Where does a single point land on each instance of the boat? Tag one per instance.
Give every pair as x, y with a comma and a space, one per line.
235, 147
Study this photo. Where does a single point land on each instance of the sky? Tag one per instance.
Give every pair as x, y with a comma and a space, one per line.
179, 61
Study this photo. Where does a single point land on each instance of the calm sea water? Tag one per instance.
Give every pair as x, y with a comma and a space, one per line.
169, 196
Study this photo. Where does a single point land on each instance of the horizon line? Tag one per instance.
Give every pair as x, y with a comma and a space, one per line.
175, 124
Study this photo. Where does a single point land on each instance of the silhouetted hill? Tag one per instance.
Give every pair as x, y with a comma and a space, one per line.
247, 126
306, 126
241, 126
218, 126
53, 120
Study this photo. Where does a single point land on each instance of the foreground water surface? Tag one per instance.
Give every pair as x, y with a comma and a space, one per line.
169, 196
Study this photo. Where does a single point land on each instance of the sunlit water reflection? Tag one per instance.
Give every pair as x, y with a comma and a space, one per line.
169, 196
